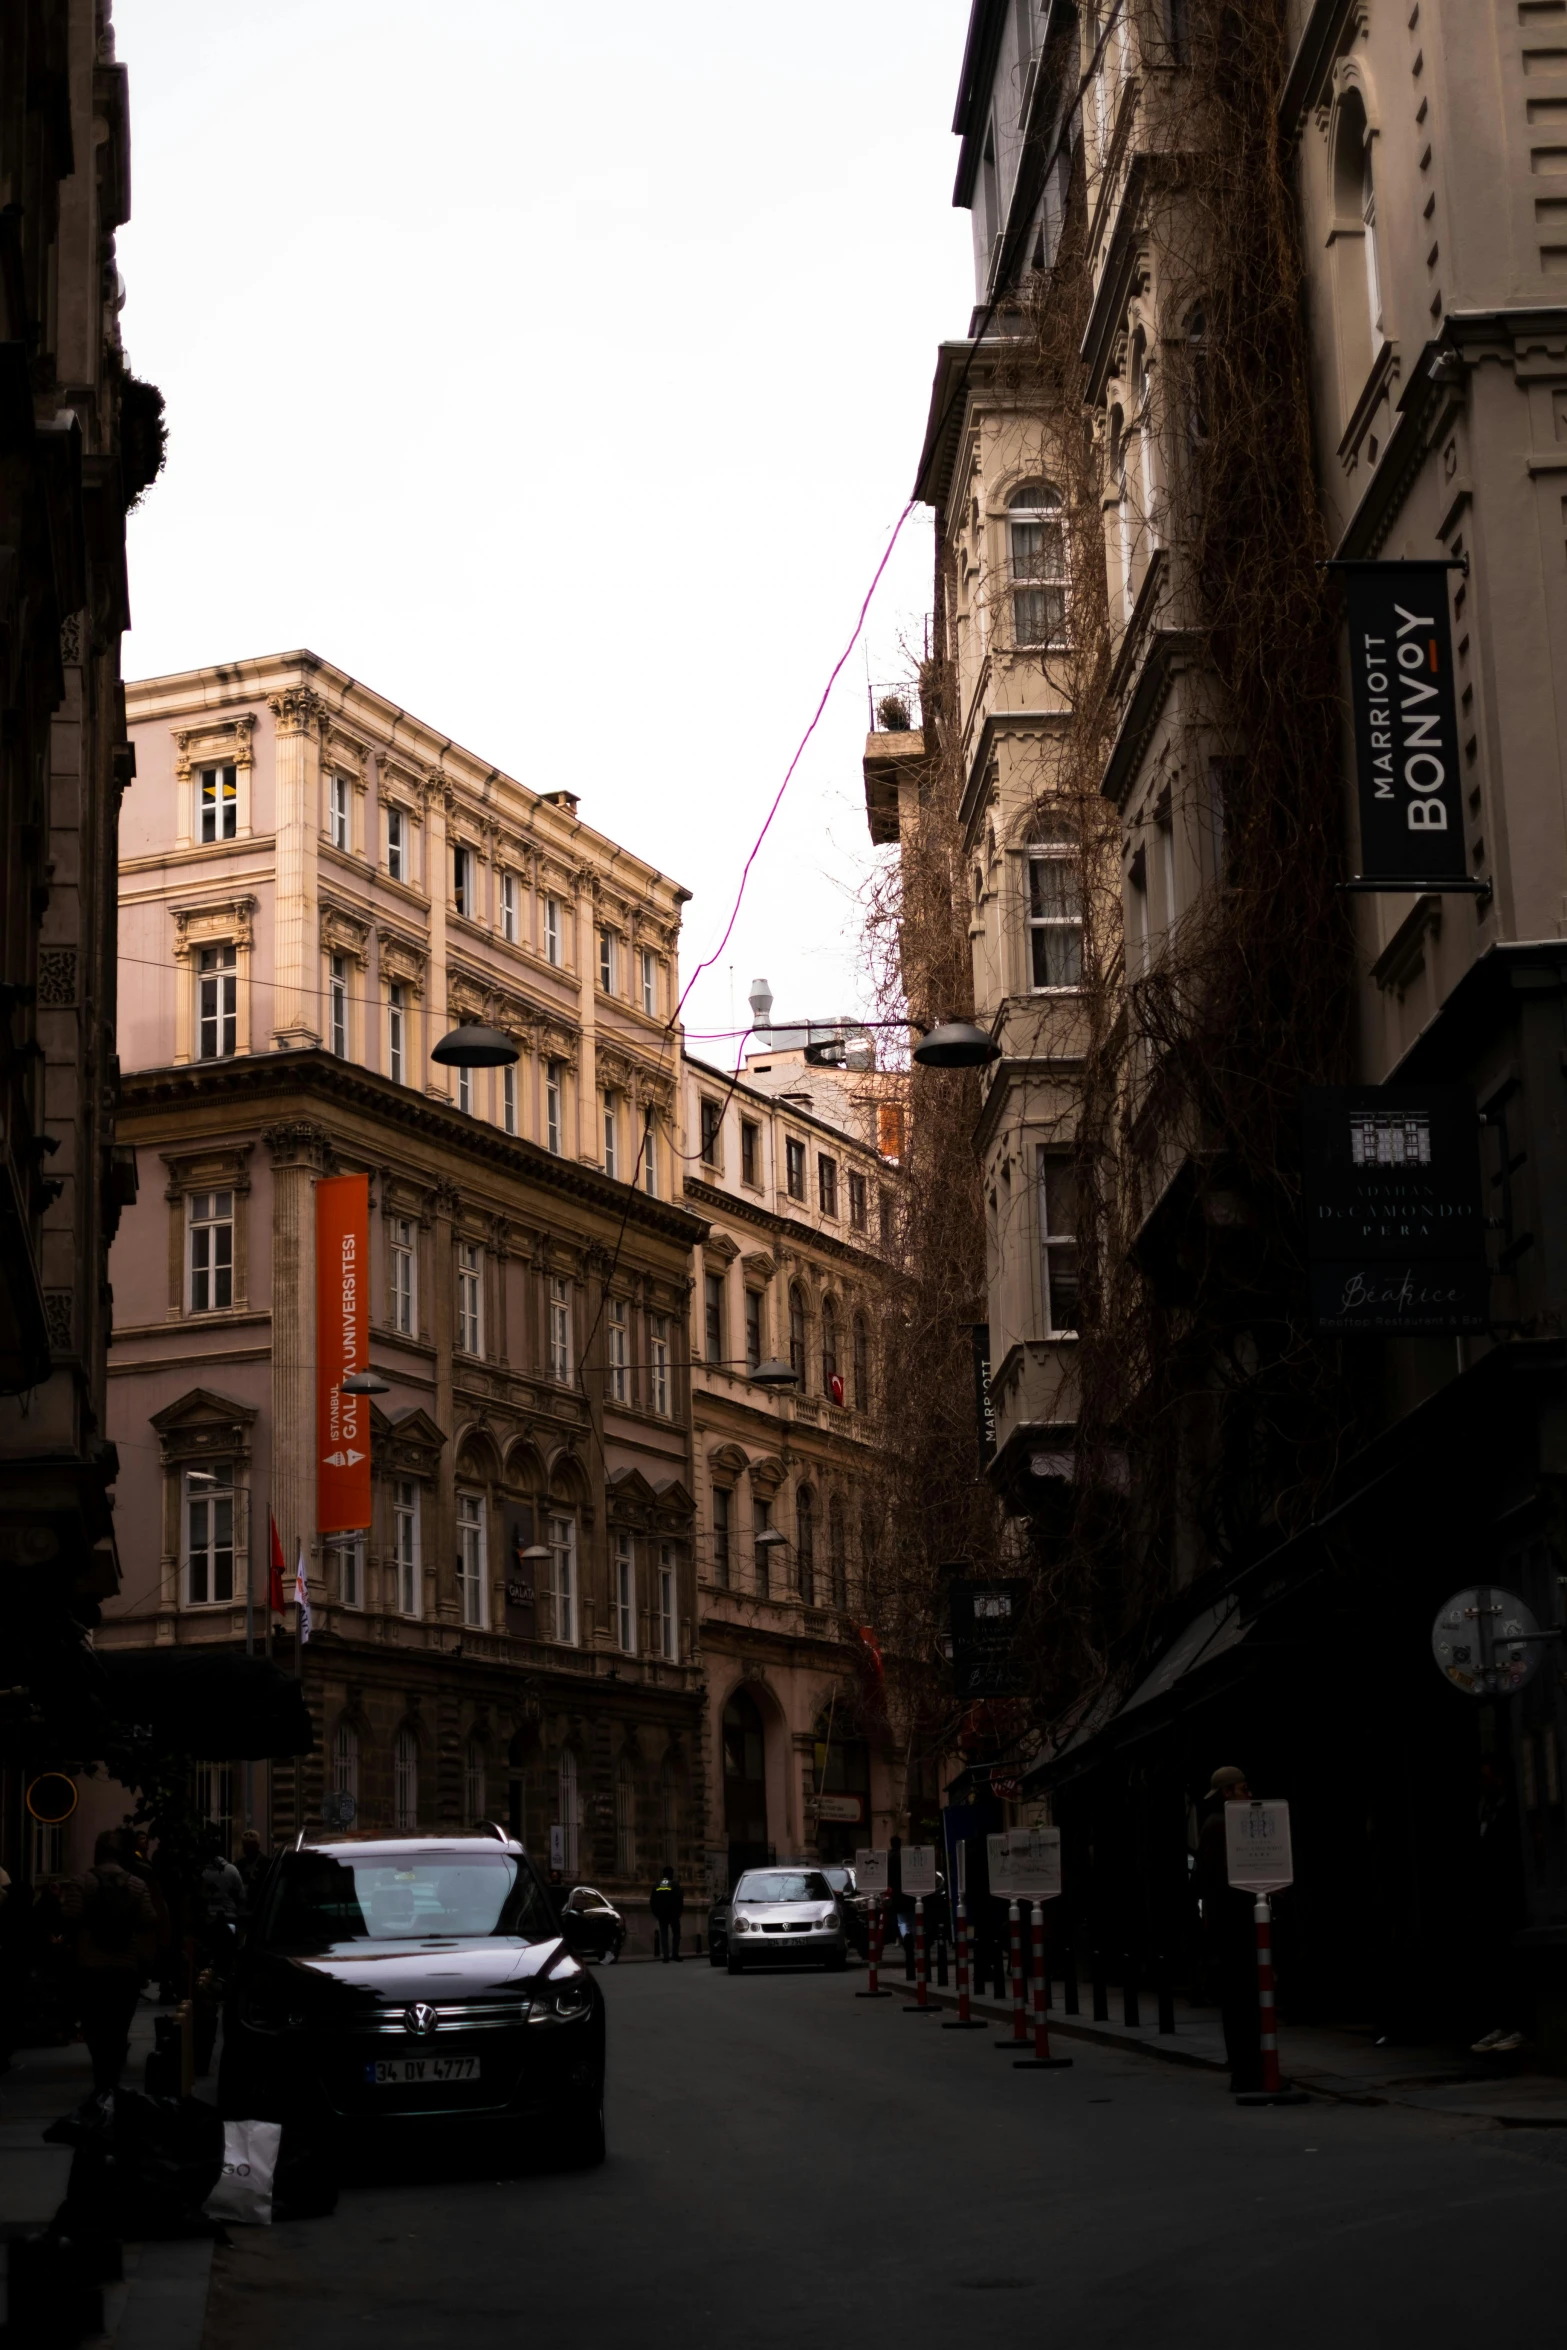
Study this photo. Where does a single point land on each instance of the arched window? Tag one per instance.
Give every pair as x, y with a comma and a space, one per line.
345, 1760
569, 1801
805, 1543
797, 1331
1055, 902
1358, 276
475, 1782
832, 1384
837, 1552
1036, 553
862, 1364
405, 1783
625, 1818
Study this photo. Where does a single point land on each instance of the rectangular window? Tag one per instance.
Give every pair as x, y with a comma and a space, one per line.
462, 880
648, 971
552, 931
470, 1298
350, 1549
884, 1218
650, 1161
396, 1034
470, 1557
217, 804
560, 1327
509, 908
794, 1168
761, 1552
509, 1098
607, 961
619, 1351
404, 1275
827, 1184
753, 1329
217, 1003
750, 1151
211, 1251
658, 1363
552, 1108
1058, 1237
713, 1316
611, 1136
667, 1624
561, 1537
712, 1130
1055, 913
337, 811
396, 844
337, 1006
856, 1201
405, 1545
625, 1595
723, 1502
209, 1535
465, 1090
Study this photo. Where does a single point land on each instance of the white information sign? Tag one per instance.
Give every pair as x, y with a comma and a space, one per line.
919, 1870
850, 1808
1025, 1864
870, 1871
1257, 1846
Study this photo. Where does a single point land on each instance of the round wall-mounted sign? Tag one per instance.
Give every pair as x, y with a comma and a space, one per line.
338, 1809
52, 1797
1486, 1642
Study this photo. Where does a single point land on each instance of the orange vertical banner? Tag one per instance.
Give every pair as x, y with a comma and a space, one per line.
342, 1345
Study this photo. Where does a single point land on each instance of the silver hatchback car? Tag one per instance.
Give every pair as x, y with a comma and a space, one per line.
785, 1917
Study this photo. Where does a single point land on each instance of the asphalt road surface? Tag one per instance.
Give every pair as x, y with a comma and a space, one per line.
790, 2164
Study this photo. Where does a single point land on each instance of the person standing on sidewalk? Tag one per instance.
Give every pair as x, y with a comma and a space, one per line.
1230, 1933
667, 1903
114, 1921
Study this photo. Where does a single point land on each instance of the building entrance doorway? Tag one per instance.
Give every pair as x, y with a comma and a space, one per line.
745, 1785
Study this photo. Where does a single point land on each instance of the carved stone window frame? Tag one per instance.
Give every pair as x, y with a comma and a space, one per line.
221, 742
345, 755
348, 934
219, 1167
211, 923
202, 1426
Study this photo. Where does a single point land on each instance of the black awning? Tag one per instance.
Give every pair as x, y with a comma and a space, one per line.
220, 1705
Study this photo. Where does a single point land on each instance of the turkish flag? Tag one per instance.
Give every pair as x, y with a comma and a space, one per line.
342, 1339
275, 1570
836, 1384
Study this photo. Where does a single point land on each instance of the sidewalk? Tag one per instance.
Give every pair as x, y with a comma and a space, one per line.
162, 2302
1331, 2060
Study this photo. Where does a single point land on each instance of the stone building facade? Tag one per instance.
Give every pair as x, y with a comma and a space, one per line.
82, 439
783, 1164
314, 887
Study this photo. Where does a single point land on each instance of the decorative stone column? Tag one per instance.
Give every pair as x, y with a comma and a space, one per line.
443, 1312
300, 1153
299, 724
438, 886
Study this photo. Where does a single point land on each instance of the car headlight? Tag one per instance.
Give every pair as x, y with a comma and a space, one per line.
831, 1919
742, 1925
561, 2003
260, 2012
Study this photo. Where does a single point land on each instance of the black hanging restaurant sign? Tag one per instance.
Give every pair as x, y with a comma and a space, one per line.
1395, 1226
985, 1620
1406, 727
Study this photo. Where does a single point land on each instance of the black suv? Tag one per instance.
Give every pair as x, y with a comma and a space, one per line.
412, 1979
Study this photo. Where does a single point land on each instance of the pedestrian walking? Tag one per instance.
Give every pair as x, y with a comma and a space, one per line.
111, 1915
222, 1898
1230, 1934
667, 1903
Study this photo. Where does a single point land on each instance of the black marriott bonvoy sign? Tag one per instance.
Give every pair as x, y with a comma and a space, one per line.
1406, 724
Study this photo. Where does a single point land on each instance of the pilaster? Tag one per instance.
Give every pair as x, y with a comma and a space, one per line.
299, 1155
299, 720
438, 883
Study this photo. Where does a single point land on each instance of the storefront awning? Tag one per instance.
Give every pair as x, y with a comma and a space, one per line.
220, 1706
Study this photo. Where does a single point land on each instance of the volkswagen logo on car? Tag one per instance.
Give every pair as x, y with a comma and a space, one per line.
419, 2019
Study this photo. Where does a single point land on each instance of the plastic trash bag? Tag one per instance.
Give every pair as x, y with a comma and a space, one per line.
243, 2194
168, 2154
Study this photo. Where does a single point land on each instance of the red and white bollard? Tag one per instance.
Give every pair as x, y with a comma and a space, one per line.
1018, 2039
1272, 2091
873, 1989
965, 2021
1041, 2060
920, 2004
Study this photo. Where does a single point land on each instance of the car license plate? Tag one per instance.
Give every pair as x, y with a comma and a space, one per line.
407, 2071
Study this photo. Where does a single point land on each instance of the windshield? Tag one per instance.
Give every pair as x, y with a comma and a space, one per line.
784, 1885
841, 1880
321, 1897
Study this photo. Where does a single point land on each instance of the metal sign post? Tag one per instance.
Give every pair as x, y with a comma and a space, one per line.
1257, 1849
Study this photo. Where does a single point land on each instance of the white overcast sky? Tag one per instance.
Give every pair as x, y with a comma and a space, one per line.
560, 371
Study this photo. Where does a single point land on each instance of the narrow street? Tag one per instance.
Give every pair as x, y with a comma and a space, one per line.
791, 2164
